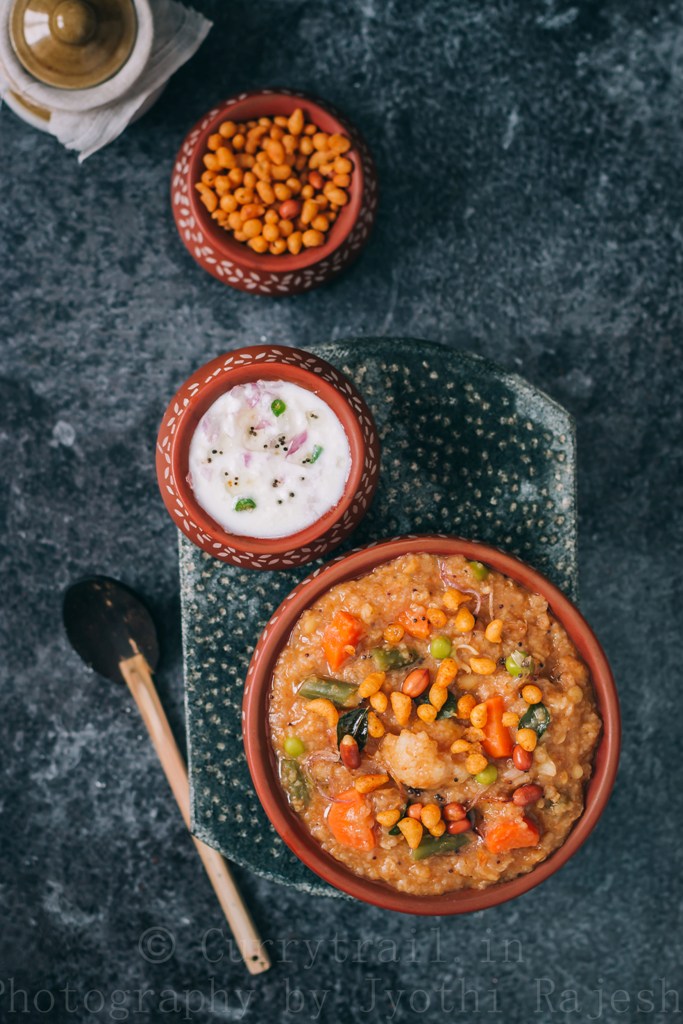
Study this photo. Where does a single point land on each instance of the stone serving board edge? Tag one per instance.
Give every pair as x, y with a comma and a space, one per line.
467, 449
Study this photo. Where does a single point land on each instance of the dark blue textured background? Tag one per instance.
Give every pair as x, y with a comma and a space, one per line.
531, 159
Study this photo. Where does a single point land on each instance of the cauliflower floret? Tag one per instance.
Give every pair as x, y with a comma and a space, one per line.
414, 759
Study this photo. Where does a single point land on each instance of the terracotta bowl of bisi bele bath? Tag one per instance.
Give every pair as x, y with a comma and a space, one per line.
205, 197
302, 777
267, 457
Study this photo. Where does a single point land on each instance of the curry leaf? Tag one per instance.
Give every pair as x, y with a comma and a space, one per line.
536, 717
448, 710
354, 723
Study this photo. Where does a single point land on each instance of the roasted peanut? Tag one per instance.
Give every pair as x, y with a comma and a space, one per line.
527, 795
349, 752
455, 828
416, 682
454, 812
290, 209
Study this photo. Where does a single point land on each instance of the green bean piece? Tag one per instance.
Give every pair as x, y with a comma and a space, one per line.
278, 407
295, 782
244, 504
478, 570
536, 717
431, 845
388, 658
336, 690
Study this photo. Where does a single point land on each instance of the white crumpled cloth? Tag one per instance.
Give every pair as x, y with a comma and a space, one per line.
179, 31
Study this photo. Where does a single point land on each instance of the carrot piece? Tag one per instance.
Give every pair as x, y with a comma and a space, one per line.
511, 834
349, 819
344, 631
497, 740
414, 620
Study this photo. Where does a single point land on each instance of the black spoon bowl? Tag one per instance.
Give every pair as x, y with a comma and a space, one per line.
107, 623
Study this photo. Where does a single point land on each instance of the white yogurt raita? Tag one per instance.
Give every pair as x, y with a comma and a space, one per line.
268, 459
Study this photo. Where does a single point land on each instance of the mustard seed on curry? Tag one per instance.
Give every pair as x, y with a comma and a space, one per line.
434, 725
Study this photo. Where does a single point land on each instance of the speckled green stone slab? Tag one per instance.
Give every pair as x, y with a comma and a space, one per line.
467, 449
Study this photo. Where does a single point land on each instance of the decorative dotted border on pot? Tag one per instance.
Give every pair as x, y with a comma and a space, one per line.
338, 531
271, 283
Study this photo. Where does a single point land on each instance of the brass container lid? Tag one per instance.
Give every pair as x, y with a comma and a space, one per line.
73, 44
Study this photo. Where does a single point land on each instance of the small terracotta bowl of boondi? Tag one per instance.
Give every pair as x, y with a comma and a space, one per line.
233, 262
263, 766
201, 390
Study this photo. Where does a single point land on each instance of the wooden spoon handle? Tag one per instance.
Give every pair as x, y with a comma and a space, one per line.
137, 674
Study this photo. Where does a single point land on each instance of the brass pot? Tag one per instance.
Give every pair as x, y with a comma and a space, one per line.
73, 54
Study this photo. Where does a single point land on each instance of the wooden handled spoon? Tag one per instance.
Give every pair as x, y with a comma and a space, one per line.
113, 632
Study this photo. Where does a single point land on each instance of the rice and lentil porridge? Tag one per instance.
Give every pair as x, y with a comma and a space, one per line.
434, 725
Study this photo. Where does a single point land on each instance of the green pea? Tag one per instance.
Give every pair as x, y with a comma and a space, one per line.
487, 776
278, 407
293, 746
519, 663
478, 570
440, 647
244, 504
